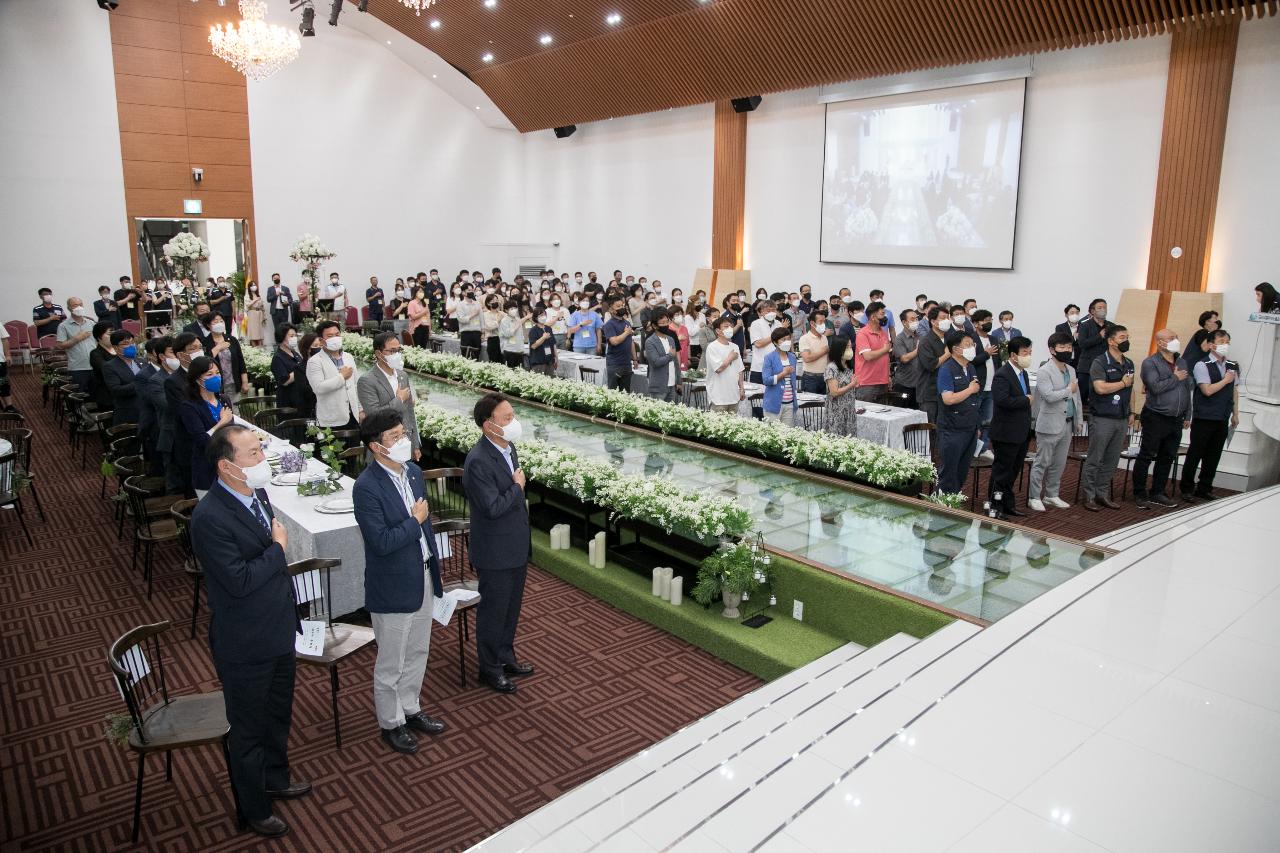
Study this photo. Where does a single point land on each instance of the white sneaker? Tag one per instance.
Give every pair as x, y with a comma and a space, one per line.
988, 455
1058, 502
1035, 504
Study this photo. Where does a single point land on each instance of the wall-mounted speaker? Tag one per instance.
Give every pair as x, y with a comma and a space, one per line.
567, 130
746, 105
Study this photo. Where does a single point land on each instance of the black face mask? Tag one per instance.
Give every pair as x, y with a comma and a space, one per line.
986, 327
1062, 356
1123, 346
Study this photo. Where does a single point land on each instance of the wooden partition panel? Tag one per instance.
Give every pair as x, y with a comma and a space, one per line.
1184, 313
729, 188
1137, 313
180, 108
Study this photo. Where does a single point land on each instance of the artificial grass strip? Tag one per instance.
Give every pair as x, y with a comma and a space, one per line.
767, 652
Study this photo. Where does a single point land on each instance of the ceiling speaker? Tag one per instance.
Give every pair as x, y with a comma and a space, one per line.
567, 130
745, 105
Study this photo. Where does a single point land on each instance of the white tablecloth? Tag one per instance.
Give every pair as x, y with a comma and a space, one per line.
451, 344
883, 424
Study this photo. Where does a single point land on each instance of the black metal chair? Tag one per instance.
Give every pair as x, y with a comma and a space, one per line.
901, 399
181, 512
10, 489
813, 414
269, 418
292, 430
445, 494
454, 561
352, 461
590, 375
160, 722
21, 440
153, 522
247, 407
312, 592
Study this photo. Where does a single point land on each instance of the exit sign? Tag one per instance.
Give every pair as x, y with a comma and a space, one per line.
192, 205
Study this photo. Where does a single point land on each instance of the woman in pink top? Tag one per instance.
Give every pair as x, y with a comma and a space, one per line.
677, 324
419, 318
304, 299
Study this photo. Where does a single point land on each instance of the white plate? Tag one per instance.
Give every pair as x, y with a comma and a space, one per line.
285, 479
336, 505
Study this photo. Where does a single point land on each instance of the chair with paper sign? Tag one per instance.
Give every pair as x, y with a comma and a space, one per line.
451, 542
331, 642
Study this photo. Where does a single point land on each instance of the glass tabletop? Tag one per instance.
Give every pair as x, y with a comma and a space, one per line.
974, 566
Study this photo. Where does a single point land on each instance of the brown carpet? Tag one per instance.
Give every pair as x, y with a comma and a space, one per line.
607, 686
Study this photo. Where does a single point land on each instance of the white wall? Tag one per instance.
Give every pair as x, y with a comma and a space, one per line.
351, 144
60, 173
1089, 160
631, 193
1246, 249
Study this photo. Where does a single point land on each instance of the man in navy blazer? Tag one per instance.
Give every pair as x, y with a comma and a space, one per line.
401, 576
1010, 427
241, 548
500, 545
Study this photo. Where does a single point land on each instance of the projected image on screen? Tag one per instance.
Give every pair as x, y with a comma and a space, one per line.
926, 178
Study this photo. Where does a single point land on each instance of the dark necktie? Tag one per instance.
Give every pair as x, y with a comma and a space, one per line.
257, 511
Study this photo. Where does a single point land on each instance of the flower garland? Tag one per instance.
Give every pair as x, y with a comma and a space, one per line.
864, 460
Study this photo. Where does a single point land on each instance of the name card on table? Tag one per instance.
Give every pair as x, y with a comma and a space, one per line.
311, 640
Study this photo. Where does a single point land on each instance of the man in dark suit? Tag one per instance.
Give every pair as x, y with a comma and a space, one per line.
186, 346
120, 376
280, 300
153, 407
105, 308
197, 327
401, 577
500, 544
1010, 427
1091, 342
1071, 326
241, 547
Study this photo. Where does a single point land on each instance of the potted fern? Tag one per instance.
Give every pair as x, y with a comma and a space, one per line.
732, 571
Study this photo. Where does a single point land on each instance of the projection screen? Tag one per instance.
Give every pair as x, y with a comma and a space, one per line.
925, 178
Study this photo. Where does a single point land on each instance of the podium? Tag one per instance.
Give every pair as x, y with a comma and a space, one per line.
1265, 388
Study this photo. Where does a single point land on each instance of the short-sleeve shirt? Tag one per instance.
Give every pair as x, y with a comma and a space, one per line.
586, 336
374, 297
42, 312
809, 342
760, 328
544, 354
722, 387
617, 355
909, 371
875, 372
78, 355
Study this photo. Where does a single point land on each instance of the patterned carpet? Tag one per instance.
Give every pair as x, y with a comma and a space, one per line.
607, 686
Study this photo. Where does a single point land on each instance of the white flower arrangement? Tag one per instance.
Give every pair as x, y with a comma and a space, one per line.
311, 248
186, 246
863, 460
955, 229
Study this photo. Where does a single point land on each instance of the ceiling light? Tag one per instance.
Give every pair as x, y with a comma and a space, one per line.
613, 20
255, 48
488, 57
489, 4
434, 76
418, 5
435, 24
545, 39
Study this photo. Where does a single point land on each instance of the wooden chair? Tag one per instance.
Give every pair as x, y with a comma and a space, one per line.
472, 353
445, 495
590, 375
247, 407
9, 494
21, 440
160, 722
121, 441
901, 399
435, 345
977, 464
181, 512
349, 437
920, 439
352, 461
269, 418
454, 560
813, 414
153, 522
96, 425
312, 593
12, 420
293, 430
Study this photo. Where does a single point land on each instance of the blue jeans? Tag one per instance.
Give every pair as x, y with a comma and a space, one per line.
589, 349
955, 447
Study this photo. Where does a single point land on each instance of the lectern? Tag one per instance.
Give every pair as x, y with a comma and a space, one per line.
1266, 389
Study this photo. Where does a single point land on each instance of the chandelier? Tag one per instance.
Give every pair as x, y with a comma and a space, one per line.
418, 5
256, 49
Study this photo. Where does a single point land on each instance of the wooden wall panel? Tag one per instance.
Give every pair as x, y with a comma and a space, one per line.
1185, 310
1201, 62
729, 182
180, 108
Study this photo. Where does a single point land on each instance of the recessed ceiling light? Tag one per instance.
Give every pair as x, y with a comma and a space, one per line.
477, 108
613, 20
545, 39
434, 76
435, 24
488, 57
489, 4
388, 41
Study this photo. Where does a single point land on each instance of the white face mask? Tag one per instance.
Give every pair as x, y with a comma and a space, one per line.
401, 451
512, 431
768, 318
913, 325
971, 311
1006, 324
333, 344
512, 312
584, 305
969, 353
172, 363
1024, 361
1073, 318
78, 311
1222, 349
944, 324
291, 343
395, 361
1174, 346
555, 303
257, 476
784, 345
218, 328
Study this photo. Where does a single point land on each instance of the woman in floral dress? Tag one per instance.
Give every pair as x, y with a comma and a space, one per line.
254, 314
842, 406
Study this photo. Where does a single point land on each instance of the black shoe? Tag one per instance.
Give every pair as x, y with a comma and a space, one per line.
1164, 501
271, 827
1142, 501
295, 790
1188, 496
1091, 505
1108, 503
1206, 496
501, 684
515, 670
400, 740
1013, 513
420, 722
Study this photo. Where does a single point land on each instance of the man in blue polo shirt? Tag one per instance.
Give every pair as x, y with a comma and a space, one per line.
619, 340
582, 328
958, 415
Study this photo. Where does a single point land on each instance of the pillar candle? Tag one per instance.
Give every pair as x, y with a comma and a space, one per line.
657, 581
560, 537
666, 582
555, 538
591, 552
677, 590
600, 550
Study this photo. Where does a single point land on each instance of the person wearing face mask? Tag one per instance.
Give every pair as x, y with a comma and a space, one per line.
284, 366
226, 351
500, 544
1091, 340
722, 360
470, 323
906, 353
280, 301
662, 355
402, 575
1110, 417
153, 400
375, 301
387, 386
105, 308
491, 325
198, 327
1216, 409
542, 346
1165, 414
958, 417
1059, 414
778, 372
103, 353
761, 337
148, 366
332, 300
75, 338
871, 354
1071, 327
583, 328
1010, 430
511, 331
159, 308
119, 376
932, 353
985, 365
254, 314
201, 413
332, 376
186, 348
731, 307
841, 384
47, 314
1006, 331
241, 548
419, 318
557, 314
619, 339
221, 302
680, 333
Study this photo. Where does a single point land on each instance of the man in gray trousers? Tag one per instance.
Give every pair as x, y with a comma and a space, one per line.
1059, 415
1109, 418
661, 354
